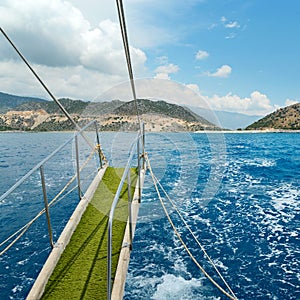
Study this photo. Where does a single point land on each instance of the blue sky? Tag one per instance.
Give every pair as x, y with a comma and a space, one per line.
237, 55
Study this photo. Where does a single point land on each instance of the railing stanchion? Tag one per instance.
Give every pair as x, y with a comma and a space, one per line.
129, 208
139, 168
77, 166
143, 145
98, 146
46, 205
109, 250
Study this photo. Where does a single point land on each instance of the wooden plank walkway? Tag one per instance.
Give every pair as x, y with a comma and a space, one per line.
82, 269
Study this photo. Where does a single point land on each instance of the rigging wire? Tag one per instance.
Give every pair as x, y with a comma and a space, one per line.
156, 183
131, 76
122, 22
66, 113
40, 80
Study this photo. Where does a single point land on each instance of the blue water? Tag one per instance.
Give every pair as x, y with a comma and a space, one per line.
238, 192
19, 153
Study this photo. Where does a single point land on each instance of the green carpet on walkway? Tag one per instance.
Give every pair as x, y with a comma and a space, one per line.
82, 268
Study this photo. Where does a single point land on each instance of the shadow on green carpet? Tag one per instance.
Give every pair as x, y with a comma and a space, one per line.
82, 268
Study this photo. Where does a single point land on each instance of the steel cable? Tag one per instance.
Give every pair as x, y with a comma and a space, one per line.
156, 183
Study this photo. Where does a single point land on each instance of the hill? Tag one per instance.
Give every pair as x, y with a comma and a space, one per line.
114, 115
146, 106
78, 107
9, 102
72, 106
287, 118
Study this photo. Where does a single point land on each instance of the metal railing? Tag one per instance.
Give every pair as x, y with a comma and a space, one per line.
40, 167
138, 146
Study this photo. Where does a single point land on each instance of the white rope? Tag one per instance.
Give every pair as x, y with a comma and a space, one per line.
195, 238
54, 201
156, 183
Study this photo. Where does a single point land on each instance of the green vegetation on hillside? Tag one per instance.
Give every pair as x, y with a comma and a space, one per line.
72, 106
287, 118
146, 106
111, 116
10, 102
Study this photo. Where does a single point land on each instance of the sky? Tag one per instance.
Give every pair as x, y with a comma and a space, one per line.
233, 55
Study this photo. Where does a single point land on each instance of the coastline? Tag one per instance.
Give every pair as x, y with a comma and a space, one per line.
256, 131
165, 131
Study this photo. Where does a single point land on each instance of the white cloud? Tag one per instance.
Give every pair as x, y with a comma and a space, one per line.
223, 19
162, 60
103, 50
91, 11
55, 36
223, 72
76, 82
194, 87
212, 26
229, 24
47, 33
162, 72
289, 102
201, 54
80, 59
170, 68
234, 24
230, 36
190, 94
162, 76
256, 104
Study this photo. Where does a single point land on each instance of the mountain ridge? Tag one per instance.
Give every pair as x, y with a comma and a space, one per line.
8, 101
29, 113
115, 115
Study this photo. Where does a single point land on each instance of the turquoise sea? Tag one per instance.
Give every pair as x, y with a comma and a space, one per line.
239, 192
